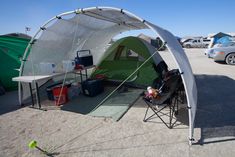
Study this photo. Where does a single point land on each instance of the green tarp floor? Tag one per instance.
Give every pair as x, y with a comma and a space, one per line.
115, 107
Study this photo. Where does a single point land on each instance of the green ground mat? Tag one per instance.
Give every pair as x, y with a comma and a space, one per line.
115, 107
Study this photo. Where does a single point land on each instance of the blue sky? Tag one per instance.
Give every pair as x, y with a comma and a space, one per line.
181, 17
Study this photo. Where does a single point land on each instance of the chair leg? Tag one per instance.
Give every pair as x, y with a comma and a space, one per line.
172, 111
176, 103
146, 112
170, 116
156, 113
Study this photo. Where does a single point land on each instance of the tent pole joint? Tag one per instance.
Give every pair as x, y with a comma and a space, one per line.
191, 139
43, 28
98, 8
82, 11
77, 11
58, 17
31, 43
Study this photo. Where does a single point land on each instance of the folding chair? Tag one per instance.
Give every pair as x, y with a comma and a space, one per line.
170, 93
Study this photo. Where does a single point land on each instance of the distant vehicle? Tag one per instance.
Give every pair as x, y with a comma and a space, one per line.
226, 54
209, 52
197, 43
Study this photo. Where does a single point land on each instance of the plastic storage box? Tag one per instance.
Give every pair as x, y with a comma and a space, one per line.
74, 90
47, 68
68, 65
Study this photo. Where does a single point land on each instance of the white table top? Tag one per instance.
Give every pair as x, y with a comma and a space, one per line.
30, 79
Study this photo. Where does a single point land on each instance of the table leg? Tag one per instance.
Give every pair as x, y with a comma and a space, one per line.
38, 97
81, 75
31, 93
86, 73
20, 95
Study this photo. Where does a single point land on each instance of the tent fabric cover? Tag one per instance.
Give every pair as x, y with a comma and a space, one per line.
216, 39
186, 71
120, 68
220, 35
224, 40
11, 50
93, 28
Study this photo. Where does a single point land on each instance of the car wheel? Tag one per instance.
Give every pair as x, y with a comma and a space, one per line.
230, 59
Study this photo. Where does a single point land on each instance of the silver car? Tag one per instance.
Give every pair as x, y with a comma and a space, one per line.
226, 54
209, 52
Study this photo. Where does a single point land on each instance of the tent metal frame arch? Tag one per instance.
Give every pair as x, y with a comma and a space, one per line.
149, 25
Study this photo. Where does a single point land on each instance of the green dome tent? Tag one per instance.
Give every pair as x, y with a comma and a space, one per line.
11, 50
124, 56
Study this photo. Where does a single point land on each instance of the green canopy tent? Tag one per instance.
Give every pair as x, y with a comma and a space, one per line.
11, 50
124, 56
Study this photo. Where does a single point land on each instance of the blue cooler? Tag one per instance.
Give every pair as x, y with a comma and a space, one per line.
85, 60
92, 87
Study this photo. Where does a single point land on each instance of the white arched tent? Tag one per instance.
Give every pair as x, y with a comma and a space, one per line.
93, 28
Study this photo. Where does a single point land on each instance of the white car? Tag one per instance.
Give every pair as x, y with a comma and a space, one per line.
197, 43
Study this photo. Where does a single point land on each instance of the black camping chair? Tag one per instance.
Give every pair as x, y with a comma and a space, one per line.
170, 94
161, 69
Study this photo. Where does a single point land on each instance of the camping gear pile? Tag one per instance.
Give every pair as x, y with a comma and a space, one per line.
61, 93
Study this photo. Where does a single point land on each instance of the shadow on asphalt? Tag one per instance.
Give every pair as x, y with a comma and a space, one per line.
216, 108
9, 102
215, 111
